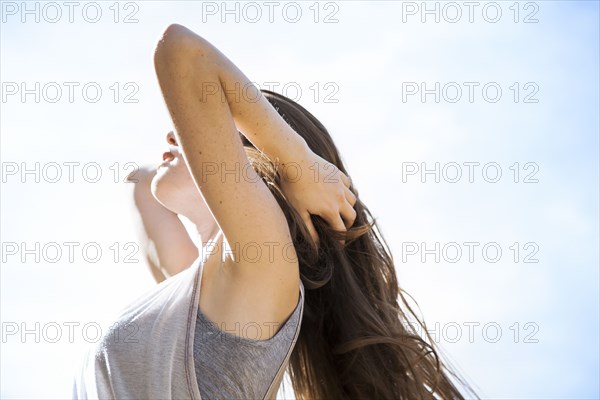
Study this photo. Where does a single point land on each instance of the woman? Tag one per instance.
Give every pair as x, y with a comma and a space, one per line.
286, 245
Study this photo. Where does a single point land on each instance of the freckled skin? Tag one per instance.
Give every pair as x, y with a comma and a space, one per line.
243, 291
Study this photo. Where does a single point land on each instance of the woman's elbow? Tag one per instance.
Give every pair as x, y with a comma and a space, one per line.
176, 46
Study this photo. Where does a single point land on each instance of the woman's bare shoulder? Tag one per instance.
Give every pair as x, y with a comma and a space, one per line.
252, 302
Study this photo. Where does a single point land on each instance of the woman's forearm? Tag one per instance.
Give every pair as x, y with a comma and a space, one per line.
265, 128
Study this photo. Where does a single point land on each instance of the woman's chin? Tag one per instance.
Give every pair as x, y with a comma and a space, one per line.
159, 188
172, 192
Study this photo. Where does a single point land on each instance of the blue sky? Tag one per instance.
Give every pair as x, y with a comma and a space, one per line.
547, 311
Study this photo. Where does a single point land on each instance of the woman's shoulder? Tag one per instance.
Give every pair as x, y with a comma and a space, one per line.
243, 288
253, 294
278, 333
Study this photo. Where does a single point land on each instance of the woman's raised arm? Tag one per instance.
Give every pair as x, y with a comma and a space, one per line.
209, 99
188, 70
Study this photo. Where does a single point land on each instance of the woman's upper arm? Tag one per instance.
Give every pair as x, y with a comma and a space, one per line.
240, 201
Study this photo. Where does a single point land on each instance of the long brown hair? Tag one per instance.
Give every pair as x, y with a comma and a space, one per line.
357, 340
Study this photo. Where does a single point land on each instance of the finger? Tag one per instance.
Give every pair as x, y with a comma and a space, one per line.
311, 228
351, 197
348, 214
345, 179
335, 221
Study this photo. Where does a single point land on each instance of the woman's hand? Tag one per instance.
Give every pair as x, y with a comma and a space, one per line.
315, 186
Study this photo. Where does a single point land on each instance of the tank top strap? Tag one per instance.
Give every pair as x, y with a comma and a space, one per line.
276, 382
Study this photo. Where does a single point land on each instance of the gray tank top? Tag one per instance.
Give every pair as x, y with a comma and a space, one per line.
149, 352
229, 366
